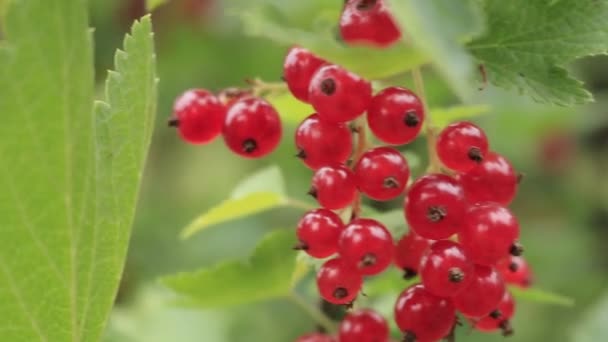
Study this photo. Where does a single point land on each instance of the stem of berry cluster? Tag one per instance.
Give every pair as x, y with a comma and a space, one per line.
314, 312
431, 137
359, 128
261, 88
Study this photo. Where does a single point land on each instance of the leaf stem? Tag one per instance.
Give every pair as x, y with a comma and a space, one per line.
360, 149
313, 311
431, 137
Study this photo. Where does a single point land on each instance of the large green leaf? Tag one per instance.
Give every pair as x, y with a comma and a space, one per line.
267, 274
528, 43
592, 326
70, 174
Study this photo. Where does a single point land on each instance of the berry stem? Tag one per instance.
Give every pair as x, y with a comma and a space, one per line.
431, 136
315, 313
360, 149
261, 88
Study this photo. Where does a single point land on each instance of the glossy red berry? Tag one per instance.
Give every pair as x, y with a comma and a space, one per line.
368, 21
435, 206
338, 282
252, 128
367, 244
382, 173
461, 146
299, 67
338, 95
396, 115
489, 233
363, 326
499, 318
334, 187
316, 337
422, 316
516, 271
492, 180
320, 143
445, 269
198, 116
483, 293
318, 231
409, 251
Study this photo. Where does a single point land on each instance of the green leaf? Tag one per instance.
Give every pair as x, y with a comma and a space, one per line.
263, 190
268, 274
528, 43
540, 296
263, 20
70, 175
292, 110
592, 327
151, 5
445, 116
438, 28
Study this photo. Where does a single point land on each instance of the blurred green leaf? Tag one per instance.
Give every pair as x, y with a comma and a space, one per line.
151, 5
263, 20
445, 116
259, 192
390, 281
530, 56
292, 110
592, 327
394, 221
437, 28
540, 296
267, 274
70, 175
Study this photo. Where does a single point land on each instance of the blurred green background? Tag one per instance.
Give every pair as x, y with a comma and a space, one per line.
562, 204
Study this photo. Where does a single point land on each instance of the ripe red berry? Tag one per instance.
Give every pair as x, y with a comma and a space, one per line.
492, 180
367, 244
409, 251
445, 269
461, 146
489, 233
396, 115
368, 21
515, 270
318, 231
423, 317
435, 206
483, 293
382, 173
338, 282
198, 116
334, 187
316, 337
499, 318
299, 67
339, 95
363, 326
321, 143
252, 128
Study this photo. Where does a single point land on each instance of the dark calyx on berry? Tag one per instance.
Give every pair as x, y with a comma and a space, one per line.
475, 154
436, 214
409, 337
513, 267
409, 273
340, 293
249, 146
312, 192
516, 249
173, 122
411, 119
301, 246
368, 260
390, 183
455, 275
301, 154
365, 5
328, 86
496, 314
507, 329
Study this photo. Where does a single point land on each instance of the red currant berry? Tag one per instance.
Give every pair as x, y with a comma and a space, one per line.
382, 173
489, 233
198, 116
445, 269
492, 180
334, 187
396, 115
461, 146
499, 318
363, 326
299, 67
515, 270
338, 282
435, 206
316, 337
339, 95
408, 253
368, 21
319, 231
483, 293
423, 317
321, 143
252, 128
367, 244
